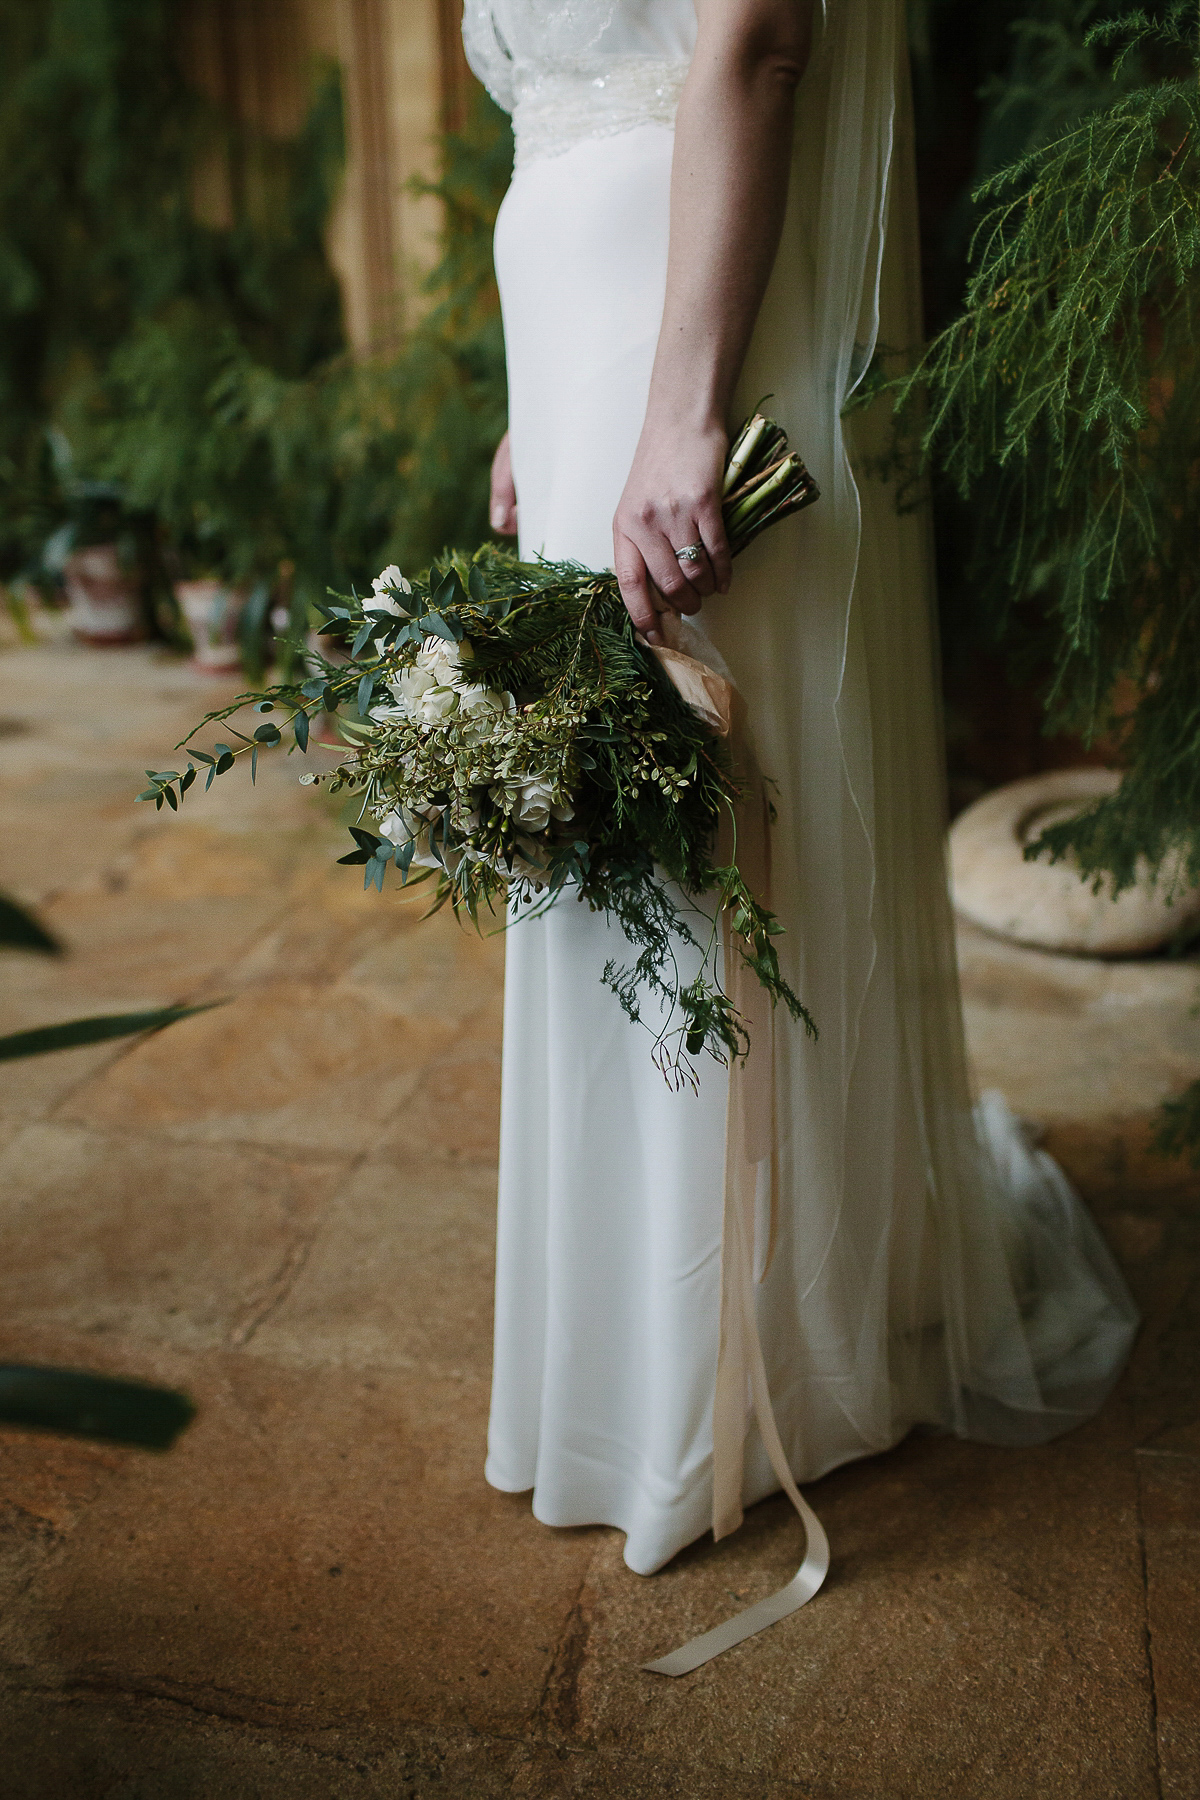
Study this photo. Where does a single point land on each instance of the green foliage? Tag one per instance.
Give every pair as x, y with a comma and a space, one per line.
1064, 401
1064, 404
93, 1406
41, 1039
550, 751
19, 930
1062, 69
200, 367
354, 463
102, 249
446, 397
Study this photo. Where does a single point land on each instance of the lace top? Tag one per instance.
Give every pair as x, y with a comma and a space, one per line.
571, 69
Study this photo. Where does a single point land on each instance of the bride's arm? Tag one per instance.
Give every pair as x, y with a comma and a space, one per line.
733, 140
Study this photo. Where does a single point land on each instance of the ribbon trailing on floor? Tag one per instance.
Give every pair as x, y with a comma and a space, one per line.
749, 1134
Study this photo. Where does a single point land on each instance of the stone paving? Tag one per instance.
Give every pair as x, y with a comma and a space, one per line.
285, 1206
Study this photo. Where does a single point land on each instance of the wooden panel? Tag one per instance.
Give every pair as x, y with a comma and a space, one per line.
456, 77
404, 79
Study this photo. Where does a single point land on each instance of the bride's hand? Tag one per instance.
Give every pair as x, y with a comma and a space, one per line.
502, 508
671, 500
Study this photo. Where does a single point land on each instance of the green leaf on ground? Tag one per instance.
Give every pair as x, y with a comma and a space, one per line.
22, 931
41, 1039
95, 1406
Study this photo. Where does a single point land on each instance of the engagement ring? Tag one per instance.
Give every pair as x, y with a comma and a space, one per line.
690, 553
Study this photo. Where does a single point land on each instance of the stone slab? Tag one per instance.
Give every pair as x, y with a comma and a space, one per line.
46, 1485
91, 1743
104, 1232
1169, 1486
288, 1209
398, 1276
287, 1064
318, 1551
980, 1637
1075, 1038
1160, 1391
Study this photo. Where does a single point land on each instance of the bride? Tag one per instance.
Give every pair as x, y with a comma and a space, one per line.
704, 1297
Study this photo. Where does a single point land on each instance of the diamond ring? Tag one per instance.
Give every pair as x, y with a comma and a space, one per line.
690, 553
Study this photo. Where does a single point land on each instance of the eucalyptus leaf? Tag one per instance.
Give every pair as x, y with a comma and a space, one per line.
448, 592
433, 621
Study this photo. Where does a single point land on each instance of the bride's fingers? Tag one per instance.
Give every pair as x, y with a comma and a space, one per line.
635, 585
697, 569
710, 528
666, 572
502, 507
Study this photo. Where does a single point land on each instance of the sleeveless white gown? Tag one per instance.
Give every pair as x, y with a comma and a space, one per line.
929, 1267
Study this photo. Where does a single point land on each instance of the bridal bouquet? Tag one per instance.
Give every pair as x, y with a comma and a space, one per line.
514, 738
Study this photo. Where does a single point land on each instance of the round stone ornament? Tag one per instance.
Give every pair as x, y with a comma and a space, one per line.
1046, 904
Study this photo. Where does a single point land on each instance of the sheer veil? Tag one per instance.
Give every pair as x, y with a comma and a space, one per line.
931, 1265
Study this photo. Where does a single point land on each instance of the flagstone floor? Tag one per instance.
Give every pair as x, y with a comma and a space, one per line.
285, 1206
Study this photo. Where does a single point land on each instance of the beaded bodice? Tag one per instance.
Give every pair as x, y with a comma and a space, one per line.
571, 69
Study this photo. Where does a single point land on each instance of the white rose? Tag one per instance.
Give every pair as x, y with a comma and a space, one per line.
385, 601
437, 703
536, 806
483, 708
402, 827
444, 660
532, 808
409, 687
474, 698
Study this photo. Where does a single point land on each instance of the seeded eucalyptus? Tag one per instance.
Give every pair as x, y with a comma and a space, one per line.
509, 739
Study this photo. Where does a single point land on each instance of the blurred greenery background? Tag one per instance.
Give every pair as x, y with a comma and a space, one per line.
197, 376
187, 388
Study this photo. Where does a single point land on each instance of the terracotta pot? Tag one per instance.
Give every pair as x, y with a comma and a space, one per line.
212, 610
104, 599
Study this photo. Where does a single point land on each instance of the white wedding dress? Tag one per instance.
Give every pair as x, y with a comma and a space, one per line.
929, 1267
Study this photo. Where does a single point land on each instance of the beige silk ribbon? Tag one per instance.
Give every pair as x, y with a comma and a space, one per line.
749, 1130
